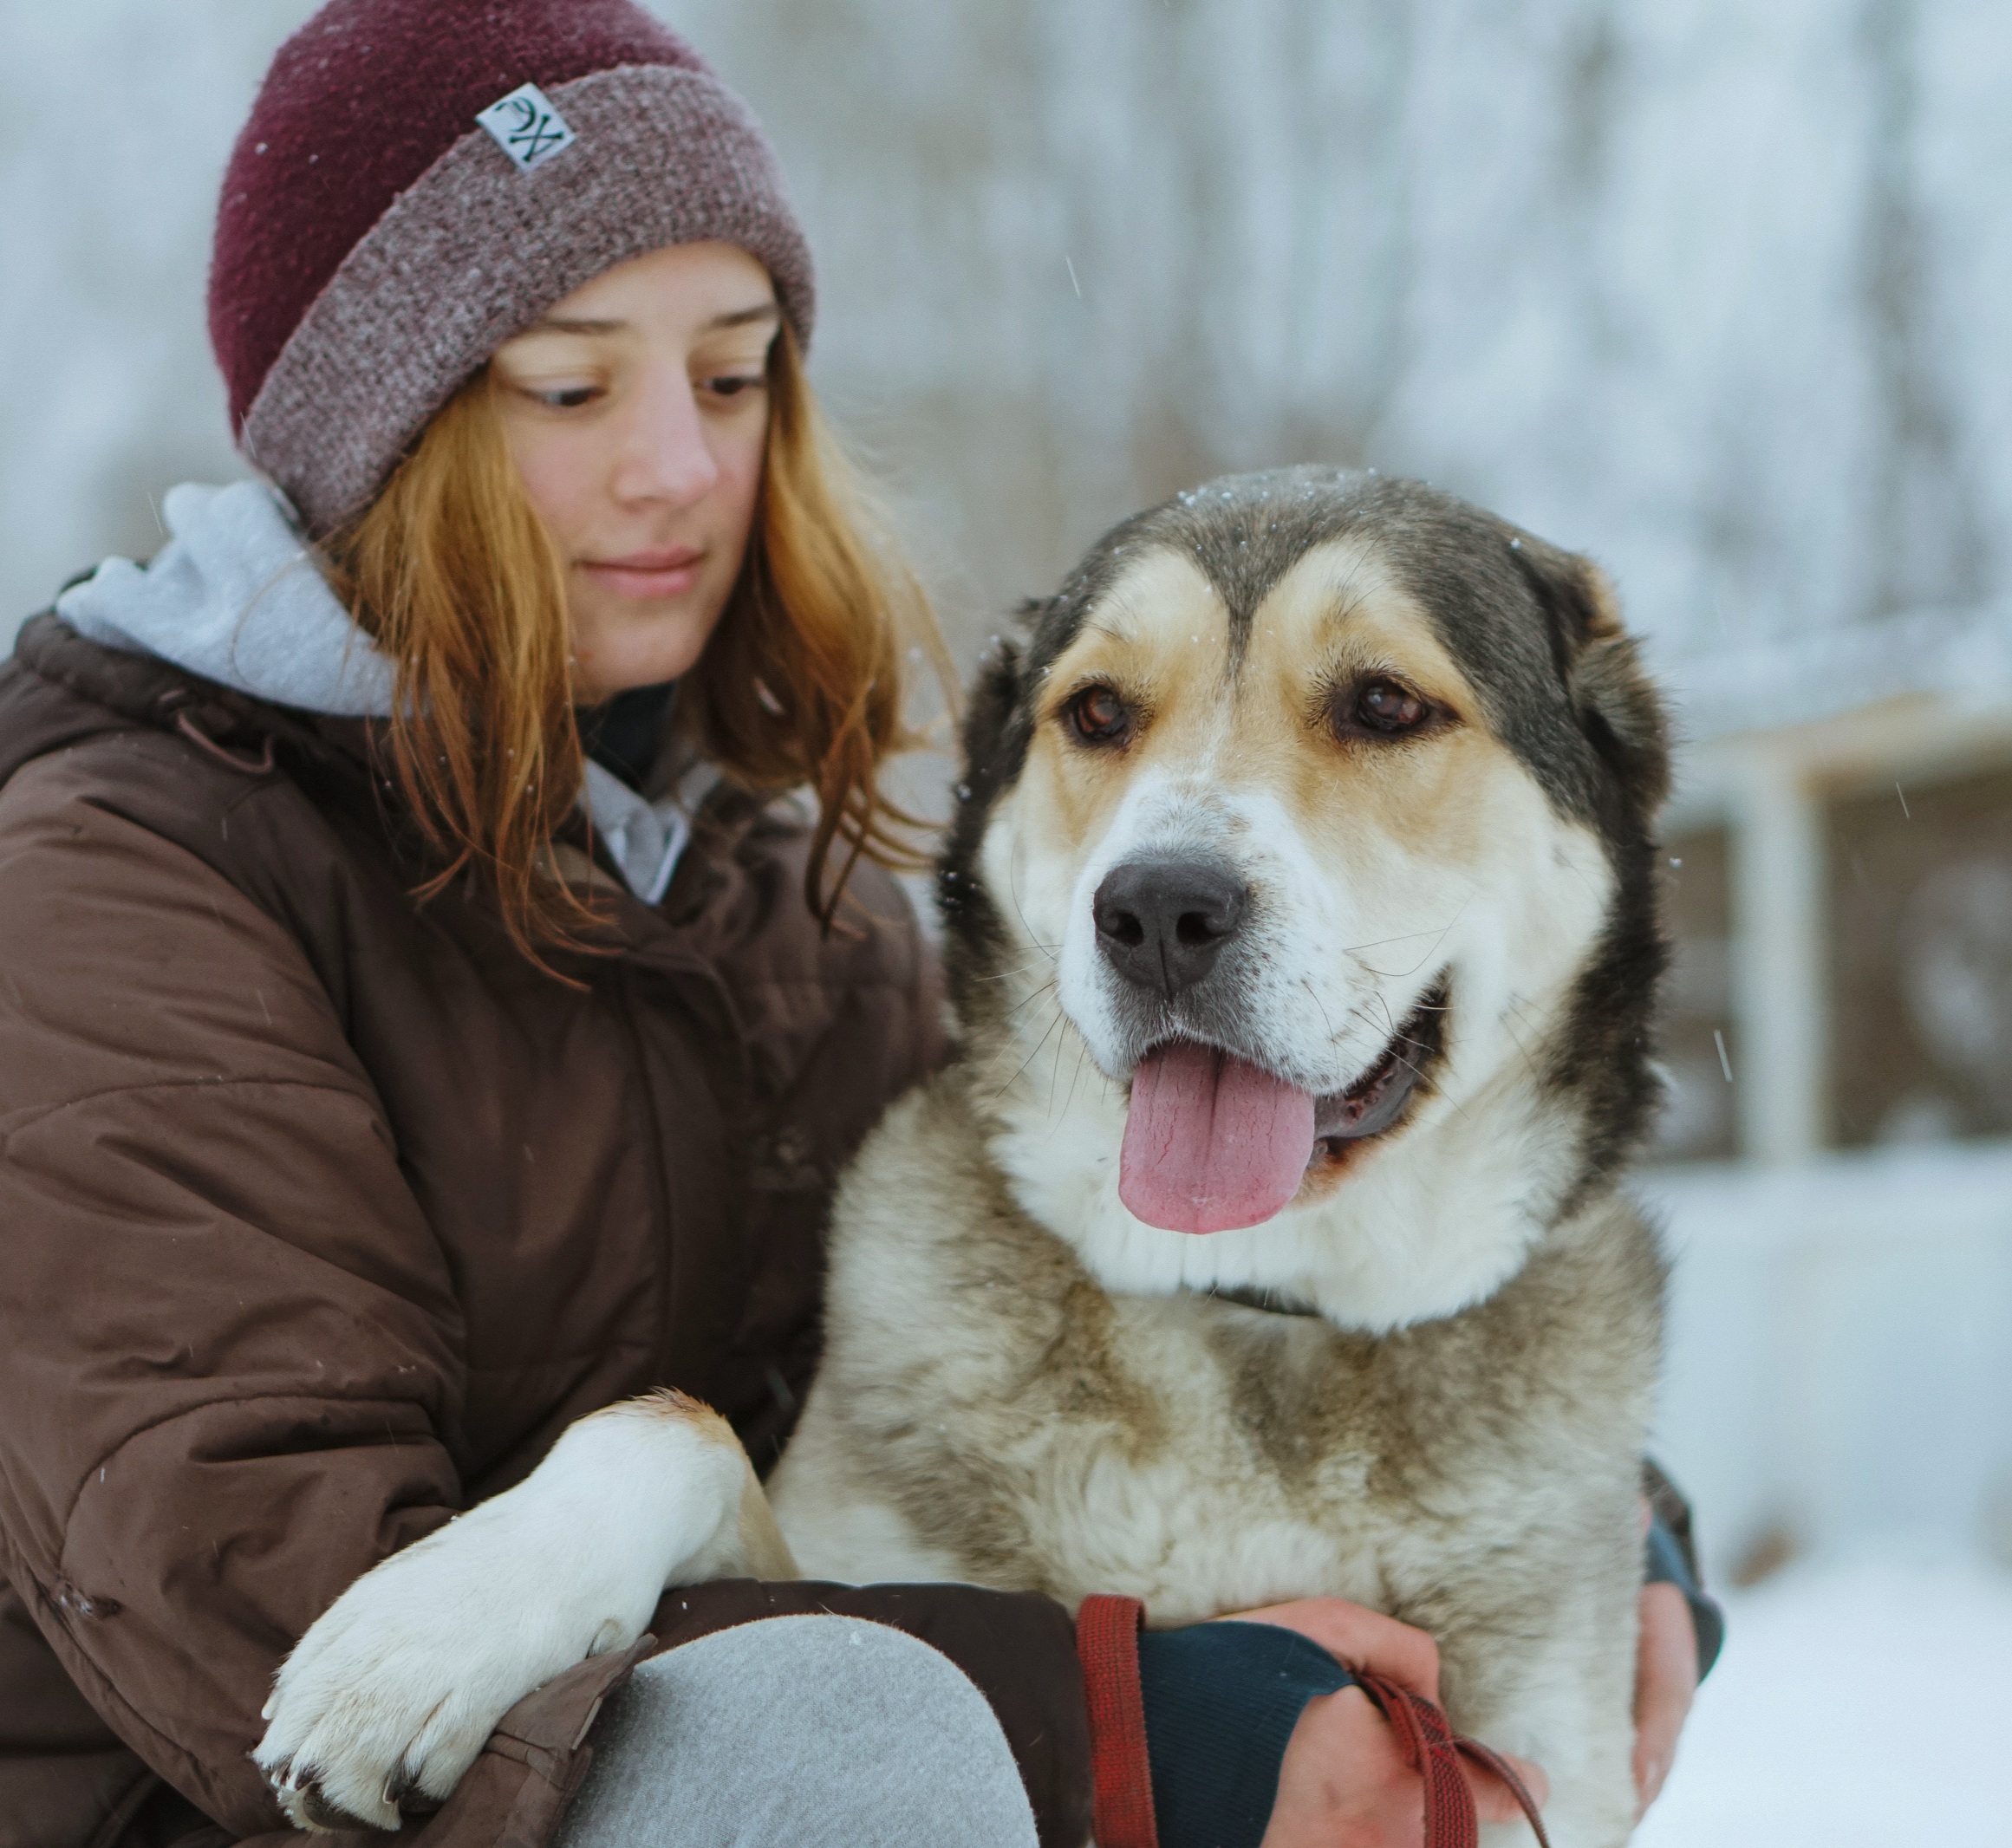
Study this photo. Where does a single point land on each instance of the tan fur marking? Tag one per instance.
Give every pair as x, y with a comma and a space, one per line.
763, 1552
762, 1544
666, 1402
1161, 638
1606, 604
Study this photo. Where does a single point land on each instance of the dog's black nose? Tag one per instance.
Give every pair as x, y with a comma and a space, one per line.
1162, 921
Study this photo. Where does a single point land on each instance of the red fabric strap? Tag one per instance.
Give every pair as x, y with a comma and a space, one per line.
1107, 1643
1432, 1747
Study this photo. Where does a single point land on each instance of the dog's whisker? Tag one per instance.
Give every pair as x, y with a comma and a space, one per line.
1075, 1078
1398, 975
1055, 1076
1017, 1038
1515, 1006
1046, 988
1410, 936
1017, 962
1030, 1058
1019, 968
1305, 983
1008, 1050
1013, 893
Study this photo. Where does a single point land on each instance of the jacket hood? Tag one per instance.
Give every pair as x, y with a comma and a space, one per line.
235, 597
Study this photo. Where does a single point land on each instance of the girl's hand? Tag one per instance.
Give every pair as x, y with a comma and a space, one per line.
1665, 1685
1343, 1783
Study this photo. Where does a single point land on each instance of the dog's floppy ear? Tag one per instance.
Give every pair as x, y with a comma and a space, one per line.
1615, 702
993, 743
988, 717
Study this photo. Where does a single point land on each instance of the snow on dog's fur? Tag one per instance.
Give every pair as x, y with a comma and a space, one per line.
1335, 795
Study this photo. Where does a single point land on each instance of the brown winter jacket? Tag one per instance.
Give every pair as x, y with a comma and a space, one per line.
323, 1213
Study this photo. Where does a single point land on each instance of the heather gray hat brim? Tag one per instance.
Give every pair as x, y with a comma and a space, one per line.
476, 250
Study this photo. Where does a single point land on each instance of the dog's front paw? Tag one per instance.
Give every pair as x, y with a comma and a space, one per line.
393, 1694
395, 1691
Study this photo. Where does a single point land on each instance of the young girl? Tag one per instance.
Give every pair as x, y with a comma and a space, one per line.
420, 1026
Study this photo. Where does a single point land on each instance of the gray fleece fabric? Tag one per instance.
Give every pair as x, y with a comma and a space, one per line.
236, 597
800, 1732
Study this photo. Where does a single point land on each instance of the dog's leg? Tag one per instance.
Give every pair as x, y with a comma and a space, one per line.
1573, 1713
399, 1682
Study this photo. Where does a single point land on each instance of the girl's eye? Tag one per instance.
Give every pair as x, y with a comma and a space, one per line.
1098, 715
1384, 708
733, 385
567, 397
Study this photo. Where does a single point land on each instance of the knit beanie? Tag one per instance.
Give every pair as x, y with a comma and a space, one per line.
421, 180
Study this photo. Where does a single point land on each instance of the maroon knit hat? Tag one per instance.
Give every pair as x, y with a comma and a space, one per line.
376, 241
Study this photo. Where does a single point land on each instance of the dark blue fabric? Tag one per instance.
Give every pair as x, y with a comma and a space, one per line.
1667, 1565
623, 735
1222, 1701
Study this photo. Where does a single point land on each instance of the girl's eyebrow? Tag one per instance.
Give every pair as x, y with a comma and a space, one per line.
739, 317
561, 324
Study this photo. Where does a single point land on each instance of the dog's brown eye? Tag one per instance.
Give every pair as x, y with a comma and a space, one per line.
1388, 708
1098, 716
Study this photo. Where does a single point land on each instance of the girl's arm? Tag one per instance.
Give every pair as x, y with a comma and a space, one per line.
227, 1336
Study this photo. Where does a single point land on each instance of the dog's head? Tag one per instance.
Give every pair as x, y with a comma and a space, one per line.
1301, 894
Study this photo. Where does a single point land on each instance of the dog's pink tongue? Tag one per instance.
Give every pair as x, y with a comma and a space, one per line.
1211, 1143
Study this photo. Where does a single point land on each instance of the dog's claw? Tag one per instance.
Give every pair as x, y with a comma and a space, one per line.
321, 1813
400, 1785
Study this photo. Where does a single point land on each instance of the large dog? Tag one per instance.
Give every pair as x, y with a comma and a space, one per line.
1265, 1240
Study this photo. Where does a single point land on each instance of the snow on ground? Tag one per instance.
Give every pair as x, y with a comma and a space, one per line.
1860, 1706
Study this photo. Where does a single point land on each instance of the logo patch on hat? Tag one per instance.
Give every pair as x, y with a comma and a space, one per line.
526, 127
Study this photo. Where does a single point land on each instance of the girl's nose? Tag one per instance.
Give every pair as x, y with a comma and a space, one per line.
664, 454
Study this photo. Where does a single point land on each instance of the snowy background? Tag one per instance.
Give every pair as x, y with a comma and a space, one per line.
1711, 289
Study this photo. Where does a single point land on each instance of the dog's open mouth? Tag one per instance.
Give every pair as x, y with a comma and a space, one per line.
1213, 1142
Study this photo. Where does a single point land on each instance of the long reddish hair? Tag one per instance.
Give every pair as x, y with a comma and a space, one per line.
454, 575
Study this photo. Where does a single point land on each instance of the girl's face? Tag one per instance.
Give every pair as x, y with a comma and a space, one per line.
637, 410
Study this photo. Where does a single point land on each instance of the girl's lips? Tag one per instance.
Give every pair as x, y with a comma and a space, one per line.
647, 573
